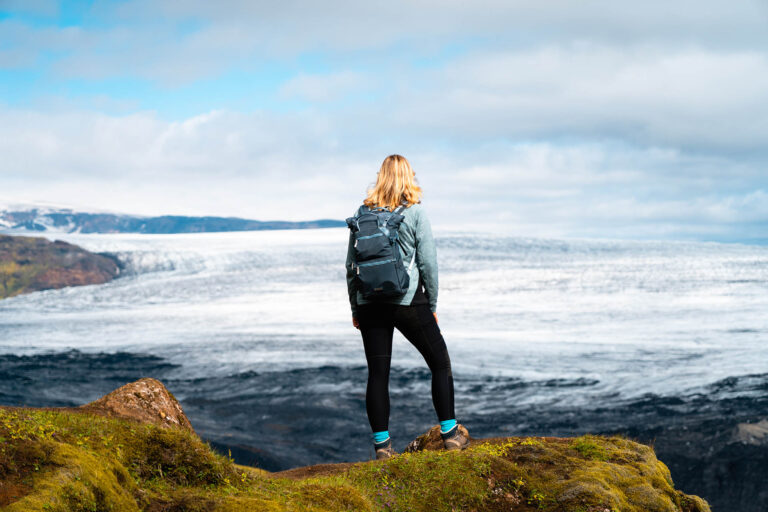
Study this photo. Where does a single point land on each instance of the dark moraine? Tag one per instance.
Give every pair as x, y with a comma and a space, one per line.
712, 438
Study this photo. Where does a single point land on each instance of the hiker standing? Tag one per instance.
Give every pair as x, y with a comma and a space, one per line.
392, 283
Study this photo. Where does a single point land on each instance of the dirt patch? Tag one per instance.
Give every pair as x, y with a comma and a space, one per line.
316, 470
12, 490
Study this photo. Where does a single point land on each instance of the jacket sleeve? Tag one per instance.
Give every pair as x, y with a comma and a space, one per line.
351, 284
426, 259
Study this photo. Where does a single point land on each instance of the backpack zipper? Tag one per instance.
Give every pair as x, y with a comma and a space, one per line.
371, 236
367, 237
372, 263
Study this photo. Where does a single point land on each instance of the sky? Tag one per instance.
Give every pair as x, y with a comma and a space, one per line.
617, 119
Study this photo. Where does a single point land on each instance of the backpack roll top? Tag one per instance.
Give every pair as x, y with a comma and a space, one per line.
378, 264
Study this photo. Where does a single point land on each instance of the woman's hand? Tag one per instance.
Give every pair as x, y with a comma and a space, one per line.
435, 317
355, 323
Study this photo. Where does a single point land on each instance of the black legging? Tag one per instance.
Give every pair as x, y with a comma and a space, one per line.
418, 325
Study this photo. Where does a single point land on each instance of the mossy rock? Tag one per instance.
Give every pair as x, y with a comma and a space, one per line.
75, 460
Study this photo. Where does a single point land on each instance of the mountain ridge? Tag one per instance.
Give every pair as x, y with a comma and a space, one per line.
54, 219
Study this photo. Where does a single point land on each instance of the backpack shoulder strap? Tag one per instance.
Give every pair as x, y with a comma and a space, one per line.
399, 209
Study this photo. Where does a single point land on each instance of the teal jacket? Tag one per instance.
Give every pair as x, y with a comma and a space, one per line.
415, 234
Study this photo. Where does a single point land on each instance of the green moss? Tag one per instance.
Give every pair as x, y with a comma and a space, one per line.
178, 459
77, 481
589, 448
16, 279
76, 461
425, 481
21, 261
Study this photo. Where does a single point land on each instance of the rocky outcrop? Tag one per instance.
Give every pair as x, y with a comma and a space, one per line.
90, 458
145, 400
30, 264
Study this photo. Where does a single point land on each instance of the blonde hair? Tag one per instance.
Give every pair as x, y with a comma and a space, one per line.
395, 185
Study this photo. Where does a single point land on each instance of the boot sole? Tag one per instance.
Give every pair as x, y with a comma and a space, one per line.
458, 448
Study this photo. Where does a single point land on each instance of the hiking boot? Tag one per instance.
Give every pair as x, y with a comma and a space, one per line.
384, 450
456, 439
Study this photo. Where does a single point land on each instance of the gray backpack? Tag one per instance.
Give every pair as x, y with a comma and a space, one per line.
378, 264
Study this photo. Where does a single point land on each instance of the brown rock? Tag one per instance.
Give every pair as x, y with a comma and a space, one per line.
145, 400
431, 440
751, 433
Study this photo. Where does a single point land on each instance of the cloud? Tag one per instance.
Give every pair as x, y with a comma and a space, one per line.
351, 25
177, 42
217, 163
558, 118
648, 95
263, 165
325, 87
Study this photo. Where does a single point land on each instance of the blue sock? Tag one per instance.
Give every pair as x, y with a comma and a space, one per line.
447, 425
380, 437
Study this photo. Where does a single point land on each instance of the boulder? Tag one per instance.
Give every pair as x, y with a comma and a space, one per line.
751, 433
145, 400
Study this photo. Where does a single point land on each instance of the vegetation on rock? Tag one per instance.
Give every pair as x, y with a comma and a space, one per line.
30, 264
74, 460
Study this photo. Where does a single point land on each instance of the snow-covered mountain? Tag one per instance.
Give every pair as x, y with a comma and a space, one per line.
47, 218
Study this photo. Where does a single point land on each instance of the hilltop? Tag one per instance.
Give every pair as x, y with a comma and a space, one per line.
134, 449
30, 264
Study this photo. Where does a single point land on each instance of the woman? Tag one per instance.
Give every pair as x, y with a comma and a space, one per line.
412, 313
